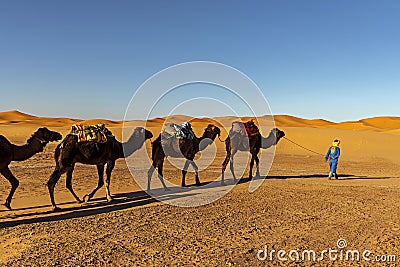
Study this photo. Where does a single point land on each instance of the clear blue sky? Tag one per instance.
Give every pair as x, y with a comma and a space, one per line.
337, 60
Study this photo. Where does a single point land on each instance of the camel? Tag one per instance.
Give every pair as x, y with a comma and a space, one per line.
70, 151
236, 142
188, 149
10, 152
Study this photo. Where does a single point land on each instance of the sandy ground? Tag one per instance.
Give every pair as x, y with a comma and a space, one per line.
295, 208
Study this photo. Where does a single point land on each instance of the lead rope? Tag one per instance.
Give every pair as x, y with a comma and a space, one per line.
303, 147
223, 141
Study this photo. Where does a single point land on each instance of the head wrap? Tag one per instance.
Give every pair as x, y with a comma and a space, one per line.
335, 143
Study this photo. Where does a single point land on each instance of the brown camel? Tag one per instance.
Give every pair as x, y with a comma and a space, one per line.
10, 152
236, 142
188, 149
70, 151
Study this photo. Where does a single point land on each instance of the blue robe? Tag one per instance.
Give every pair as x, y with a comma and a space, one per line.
333, 156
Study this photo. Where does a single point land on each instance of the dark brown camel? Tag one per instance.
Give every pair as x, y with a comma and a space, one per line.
236, 142
10, 152
188, 149
70, 151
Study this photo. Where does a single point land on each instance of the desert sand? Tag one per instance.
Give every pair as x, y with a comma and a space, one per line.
295, 208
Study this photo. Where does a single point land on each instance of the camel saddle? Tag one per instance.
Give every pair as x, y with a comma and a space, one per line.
245, 129
92, 133
179, 131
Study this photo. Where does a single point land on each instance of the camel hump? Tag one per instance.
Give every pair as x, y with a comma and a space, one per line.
3, 139
5, 145
248, 128
251, 128
180, 131
92, 133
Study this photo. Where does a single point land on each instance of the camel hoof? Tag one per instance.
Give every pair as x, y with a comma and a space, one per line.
110, 200
55, 209
86, 198
167, 189
7, 205
223, 183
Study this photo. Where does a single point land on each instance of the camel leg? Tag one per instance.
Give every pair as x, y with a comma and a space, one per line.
100, 183
251, 166
160, 175
149, 174
196, 169
69, 183
14, 184
224, 164
231, 166
51, 184
184, 171
109, 169
257, 165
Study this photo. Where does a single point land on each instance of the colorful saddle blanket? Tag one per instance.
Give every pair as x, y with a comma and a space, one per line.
180, 131
92, 133
246, 129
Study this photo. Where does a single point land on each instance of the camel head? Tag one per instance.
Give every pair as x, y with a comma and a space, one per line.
209, 135
44, 135
141, 133
278, 134
135, 142
211, 132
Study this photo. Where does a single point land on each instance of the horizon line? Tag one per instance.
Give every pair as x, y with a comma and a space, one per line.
202, 117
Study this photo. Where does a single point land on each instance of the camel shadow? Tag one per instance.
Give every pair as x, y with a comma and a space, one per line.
36, 207
94, 207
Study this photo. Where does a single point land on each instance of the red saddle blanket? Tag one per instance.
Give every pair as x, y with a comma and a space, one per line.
245, 129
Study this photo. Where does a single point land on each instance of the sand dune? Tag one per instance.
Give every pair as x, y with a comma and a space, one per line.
383, 122
16, 117
379, 124
360, 139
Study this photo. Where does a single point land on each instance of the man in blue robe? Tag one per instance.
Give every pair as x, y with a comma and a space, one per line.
333, 156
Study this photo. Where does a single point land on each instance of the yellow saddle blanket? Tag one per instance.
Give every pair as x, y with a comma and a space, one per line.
92, 133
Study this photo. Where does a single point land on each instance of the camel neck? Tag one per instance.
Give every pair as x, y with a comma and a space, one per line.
267, 142
133, 144
203, 145
21, 153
